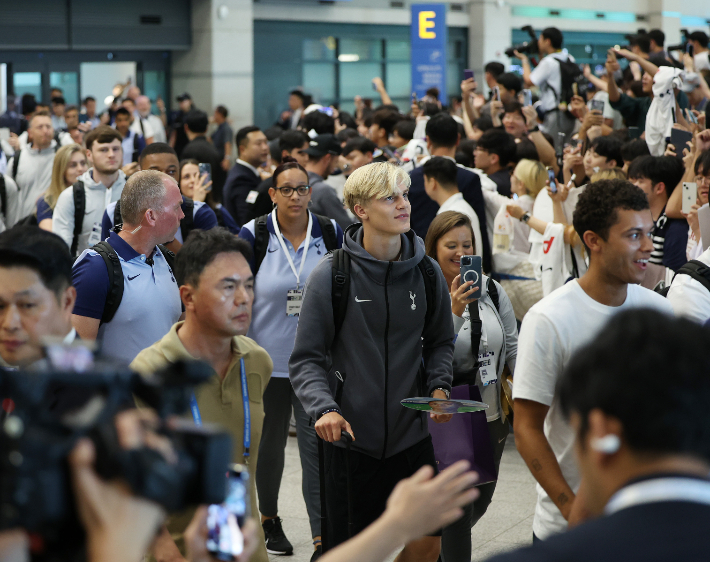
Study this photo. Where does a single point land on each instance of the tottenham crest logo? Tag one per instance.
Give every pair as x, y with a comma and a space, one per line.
413, 296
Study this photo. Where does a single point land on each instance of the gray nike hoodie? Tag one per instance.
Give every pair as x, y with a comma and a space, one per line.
379, 348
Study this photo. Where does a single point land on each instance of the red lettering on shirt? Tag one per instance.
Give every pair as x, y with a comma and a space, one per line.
547, 244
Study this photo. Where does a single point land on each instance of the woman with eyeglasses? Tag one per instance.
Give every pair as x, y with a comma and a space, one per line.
288, 243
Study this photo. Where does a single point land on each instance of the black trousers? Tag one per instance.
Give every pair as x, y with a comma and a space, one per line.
372, 483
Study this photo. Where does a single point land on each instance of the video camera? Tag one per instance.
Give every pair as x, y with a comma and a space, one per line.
54, 409
684, 46
528, 47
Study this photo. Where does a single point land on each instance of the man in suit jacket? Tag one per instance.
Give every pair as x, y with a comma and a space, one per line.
637, 399
240, 189
442, 137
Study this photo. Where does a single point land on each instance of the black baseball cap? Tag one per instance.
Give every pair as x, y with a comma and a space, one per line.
185, 96
324, 144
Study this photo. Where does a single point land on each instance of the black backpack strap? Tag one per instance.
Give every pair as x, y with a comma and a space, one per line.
493, 293
79, 210
429, 275
188, 221
117, 218
698, 271
115, 279
330, 237
340, 271
169, 257
57, 143
220, 217
3, 196
16, 164
261, 241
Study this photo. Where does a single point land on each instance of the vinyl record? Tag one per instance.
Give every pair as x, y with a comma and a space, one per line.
443, 406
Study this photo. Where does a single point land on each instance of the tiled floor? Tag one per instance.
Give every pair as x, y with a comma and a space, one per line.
506, 525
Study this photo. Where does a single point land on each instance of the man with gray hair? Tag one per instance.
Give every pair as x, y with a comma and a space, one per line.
129, 303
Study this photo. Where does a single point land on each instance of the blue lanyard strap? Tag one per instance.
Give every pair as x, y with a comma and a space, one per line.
247, 411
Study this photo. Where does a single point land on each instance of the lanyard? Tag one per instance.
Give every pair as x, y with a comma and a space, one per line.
283, 245
660, 489
247, 411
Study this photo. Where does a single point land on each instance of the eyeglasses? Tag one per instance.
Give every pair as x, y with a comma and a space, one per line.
702, 179
288, 191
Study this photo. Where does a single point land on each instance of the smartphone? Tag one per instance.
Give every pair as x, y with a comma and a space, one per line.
83, 118
496, 93
691, 116
527, 97
467, 73
553, 181
206, 169
679, 139
391, 155
689, 49
598, 105
374, 86
471, 271
225, 521
690, 195
575, 88
4, 134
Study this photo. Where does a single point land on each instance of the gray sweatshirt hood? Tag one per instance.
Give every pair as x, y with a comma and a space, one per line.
412, 253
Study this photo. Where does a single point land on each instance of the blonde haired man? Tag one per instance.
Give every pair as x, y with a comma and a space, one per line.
377, 353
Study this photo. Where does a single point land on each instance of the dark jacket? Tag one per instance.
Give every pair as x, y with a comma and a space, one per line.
379, 348
263, 204
653, 532
202, 150
424, 209
325, 201
240, 181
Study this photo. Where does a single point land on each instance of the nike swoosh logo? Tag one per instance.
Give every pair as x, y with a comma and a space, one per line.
274, 250
362, 300
132, 278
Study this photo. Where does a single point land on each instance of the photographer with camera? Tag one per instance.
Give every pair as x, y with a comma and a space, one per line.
36, 293
548, 77
217, 290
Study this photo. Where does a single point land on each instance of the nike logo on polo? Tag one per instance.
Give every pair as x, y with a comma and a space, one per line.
362, 300
132, 278
274, 250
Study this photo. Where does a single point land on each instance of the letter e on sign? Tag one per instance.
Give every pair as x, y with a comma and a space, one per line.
426, 23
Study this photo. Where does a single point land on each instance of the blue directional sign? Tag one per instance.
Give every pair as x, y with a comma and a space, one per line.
429, 49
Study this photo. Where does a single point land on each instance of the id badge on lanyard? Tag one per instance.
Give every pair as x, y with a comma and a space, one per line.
294, 297
486, 363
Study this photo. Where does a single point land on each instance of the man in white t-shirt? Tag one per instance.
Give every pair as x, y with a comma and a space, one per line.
441, 186
548, 77
699, 41
613, 219
689, 297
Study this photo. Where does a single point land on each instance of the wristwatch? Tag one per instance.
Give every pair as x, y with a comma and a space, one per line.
447, 392
525, 218
535, 129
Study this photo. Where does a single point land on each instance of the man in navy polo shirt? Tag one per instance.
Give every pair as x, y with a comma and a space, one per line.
151, 211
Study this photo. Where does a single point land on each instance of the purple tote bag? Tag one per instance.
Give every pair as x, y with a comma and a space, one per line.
466, 437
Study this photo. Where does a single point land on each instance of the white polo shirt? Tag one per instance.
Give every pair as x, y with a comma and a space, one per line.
149, 307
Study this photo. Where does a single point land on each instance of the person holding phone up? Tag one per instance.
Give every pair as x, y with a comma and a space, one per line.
449, 238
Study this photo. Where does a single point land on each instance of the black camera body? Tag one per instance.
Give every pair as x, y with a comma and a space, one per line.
683, 46
53, 410
528, 47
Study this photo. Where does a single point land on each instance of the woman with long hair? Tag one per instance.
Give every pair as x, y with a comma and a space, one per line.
199, 188
450, 236
69, 163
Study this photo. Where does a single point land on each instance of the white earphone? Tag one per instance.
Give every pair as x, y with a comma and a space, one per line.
608, 444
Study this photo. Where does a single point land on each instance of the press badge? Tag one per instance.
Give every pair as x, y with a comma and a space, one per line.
487, 368
251, 197
294, 300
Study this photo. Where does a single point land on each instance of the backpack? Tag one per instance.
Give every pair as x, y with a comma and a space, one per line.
695, 269
570, 74
115, 276
187, 224
16, 157
261, 237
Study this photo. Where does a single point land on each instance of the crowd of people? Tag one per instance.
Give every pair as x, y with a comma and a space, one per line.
319, 276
